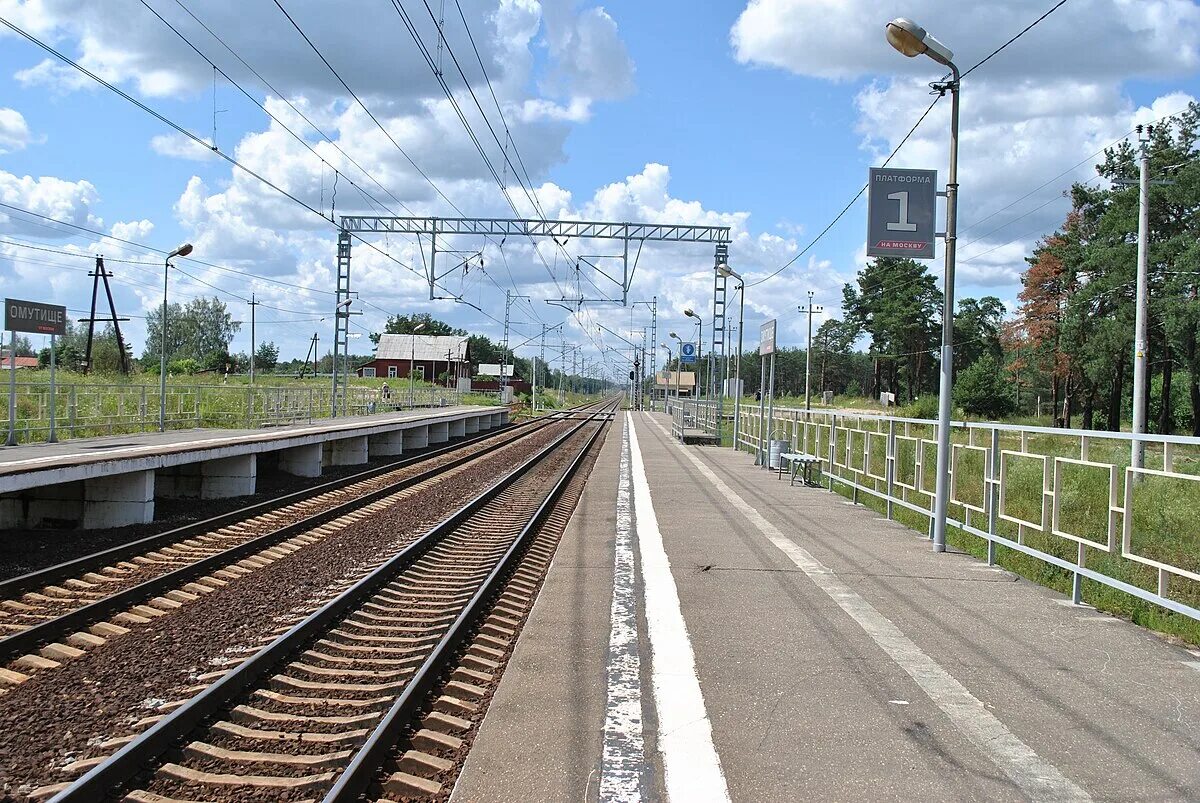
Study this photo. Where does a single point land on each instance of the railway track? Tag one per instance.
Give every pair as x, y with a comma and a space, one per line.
54, 614
322, 709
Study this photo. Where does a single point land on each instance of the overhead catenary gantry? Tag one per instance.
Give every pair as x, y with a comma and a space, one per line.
559, 230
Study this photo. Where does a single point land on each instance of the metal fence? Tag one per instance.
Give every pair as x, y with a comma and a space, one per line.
87, 410
1066, 497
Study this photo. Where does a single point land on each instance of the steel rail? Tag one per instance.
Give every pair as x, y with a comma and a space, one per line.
35, 636
35, 580
131, 760
363, 768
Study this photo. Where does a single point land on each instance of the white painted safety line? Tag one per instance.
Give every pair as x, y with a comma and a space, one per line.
624, 749
1037, 778
691, 767
1193, 664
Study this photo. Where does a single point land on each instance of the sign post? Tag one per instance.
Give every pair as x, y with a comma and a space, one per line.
766, 345
901, 213
53, 438
36, 318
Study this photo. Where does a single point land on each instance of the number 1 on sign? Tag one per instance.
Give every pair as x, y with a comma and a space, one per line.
903, 225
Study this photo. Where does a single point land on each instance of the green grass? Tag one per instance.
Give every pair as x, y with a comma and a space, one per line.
92, 405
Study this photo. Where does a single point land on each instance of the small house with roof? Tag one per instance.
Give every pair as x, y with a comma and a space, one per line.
429, 356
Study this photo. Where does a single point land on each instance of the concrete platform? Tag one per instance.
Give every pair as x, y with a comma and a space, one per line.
112, 481
791, 646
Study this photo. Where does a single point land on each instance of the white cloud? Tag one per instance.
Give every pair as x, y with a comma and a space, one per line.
48, 195
1100, 39
14, 131
178, 146
1036, 114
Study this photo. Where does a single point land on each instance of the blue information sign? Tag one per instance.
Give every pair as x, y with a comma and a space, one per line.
687, 354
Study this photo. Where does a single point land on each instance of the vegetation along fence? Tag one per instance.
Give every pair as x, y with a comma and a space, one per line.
85, 410
1063, 506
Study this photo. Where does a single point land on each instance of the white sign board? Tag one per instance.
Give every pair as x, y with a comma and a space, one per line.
494, 369
766, 338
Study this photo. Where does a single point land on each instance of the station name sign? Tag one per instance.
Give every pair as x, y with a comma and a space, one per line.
766, 337
34, 317
901, 213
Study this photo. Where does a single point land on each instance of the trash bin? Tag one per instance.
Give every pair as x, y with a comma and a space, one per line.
778, 447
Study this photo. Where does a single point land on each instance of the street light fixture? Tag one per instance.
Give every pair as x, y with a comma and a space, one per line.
181, 251
724, 269
412, 362
913, 40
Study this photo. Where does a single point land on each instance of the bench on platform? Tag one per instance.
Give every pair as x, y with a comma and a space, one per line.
800, 464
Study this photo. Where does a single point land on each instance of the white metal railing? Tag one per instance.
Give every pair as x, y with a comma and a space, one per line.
87, 410
1068, 497
695, 414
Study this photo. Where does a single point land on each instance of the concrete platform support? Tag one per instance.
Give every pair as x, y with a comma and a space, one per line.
385, 444
210, 479
416, 437
495, 420
472, 424
504, 416
348, 451
458, 429
301, 461
118, 500
59, 505
439, 432
229, 476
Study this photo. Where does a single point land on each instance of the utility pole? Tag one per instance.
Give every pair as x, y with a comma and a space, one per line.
122, 358
653, 351
808, 351
542, 360
509, 298
253, 306
1138, 456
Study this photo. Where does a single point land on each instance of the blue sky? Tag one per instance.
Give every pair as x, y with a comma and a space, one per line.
762, 116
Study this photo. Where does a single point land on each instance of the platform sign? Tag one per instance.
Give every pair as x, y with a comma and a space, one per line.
687, 354
34, 317
901, 213
766, 337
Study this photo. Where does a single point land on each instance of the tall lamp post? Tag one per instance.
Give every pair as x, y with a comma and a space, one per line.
181, 251
679, 367
727, 272
692, 314
912, 40
412, 362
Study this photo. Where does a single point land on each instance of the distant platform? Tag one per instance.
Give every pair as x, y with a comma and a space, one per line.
112, 481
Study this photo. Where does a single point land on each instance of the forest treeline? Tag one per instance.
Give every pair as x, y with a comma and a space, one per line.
1069, 343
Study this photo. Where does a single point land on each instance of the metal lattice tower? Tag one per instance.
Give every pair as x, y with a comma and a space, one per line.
341, 319
718, 327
